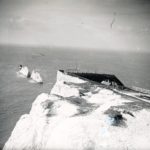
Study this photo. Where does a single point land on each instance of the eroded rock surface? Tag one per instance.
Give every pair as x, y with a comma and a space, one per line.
81, 115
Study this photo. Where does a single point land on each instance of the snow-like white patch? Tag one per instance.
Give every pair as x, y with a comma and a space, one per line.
106, 98
53, 122
23, 72
67, 78
64, 90
35, 76
65, 109
38, 109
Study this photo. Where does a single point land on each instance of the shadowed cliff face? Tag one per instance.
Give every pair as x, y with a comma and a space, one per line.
78, 114
98, 24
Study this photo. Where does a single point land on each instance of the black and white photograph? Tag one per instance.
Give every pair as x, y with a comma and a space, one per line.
74, 74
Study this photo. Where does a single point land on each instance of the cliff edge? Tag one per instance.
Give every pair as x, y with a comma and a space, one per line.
82, 114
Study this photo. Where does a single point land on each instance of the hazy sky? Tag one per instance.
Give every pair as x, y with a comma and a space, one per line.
99, 24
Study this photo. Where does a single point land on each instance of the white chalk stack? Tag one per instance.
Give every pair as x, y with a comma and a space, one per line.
24, 71
35, 76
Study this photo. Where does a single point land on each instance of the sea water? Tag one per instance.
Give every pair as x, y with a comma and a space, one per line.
17, 94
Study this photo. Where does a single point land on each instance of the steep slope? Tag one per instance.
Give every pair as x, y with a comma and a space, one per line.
79, 114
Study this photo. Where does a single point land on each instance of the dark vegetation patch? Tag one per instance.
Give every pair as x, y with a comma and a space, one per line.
130, 107
59, 96
50, 114
113, 108
135, 105
116, 118
83, 87
86, 110
48, 105
144, 96
83, 107
128, 112
77, 101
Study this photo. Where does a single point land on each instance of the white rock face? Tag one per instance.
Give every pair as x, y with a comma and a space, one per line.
64, 90
65, 119
35, 76
24, 71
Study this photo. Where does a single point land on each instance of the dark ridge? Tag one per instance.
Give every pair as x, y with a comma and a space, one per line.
97, 77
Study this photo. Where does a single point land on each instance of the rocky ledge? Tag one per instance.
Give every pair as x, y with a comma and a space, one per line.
80, 113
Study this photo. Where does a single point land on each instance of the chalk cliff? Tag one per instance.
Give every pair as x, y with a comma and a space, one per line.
79, 114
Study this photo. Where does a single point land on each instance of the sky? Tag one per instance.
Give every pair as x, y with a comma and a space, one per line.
93, 24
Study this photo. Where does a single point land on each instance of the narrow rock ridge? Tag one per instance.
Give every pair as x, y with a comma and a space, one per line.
79, 114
